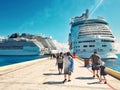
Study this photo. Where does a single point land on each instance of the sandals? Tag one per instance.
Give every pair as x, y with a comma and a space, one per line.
97, 75
64, 80
105, 82
69, 80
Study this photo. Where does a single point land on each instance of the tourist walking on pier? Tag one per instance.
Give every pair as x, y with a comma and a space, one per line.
103, 73
60, 62
95, 60
68, 67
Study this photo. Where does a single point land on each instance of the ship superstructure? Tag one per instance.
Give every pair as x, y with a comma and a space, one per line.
24, 44
89, 35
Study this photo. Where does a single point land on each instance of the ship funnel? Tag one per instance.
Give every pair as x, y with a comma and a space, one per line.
87, 13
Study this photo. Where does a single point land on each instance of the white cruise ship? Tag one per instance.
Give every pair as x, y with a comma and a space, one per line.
25, 44
89, 35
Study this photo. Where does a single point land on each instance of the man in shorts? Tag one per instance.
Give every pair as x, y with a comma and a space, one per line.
60, 58
95, 61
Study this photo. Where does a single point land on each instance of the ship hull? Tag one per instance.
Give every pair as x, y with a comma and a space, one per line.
104, 53
19, 48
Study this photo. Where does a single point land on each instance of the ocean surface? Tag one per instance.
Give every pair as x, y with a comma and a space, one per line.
113, 63
8, 60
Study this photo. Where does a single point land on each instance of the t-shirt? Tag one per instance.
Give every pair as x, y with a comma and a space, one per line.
96, 60
60, 59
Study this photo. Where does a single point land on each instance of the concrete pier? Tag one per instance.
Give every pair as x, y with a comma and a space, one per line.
42, 74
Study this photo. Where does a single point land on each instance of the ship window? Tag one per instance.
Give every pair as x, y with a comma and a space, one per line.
91, 45
104, 45
84, 45
107, 40
86, 41
100, 49
110, 49
75, 42
84, 50
11, 47
95, 49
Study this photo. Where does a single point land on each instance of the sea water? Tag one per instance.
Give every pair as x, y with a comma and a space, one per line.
113, 63
8, 60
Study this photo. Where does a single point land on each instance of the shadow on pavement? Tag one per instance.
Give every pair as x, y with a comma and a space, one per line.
50, 74
53, 82
93, 83
84, 78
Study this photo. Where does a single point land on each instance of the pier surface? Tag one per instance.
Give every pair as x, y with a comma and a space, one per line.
42, 74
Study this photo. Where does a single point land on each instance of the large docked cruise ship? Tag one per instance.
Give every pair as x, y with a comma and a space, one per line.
26, 44
89, 35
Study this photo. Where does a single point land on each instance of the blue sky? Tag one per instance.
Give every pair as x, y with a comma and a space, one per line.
52, 17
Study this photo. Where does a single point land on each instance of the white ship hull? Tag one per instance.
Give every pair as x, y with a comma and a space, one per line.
104, 53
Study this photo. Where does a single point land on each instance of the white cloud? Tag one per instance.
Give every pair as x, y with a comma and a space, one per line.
61, 47
117, 47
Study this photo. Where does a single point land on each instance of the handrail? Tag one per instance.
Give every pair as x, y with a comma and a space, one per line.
113, 73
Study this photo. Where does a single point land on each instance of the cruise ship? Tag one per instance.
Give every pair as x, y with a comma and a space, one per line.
24, 44
89, 35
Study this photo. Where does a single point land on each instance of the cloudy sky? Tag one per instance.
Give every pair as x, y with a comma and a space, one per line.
52, 17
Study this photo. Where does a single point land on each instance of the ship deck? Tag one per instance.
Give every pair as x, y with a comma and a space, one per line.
42, 74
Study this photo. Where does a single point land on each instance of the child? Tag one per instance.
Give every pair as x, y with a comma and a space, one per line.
103, 73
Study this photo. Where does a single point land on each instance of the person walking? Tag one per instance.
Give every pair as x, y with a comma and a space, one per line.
103, 73
95, 60
60, 62
68, 67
